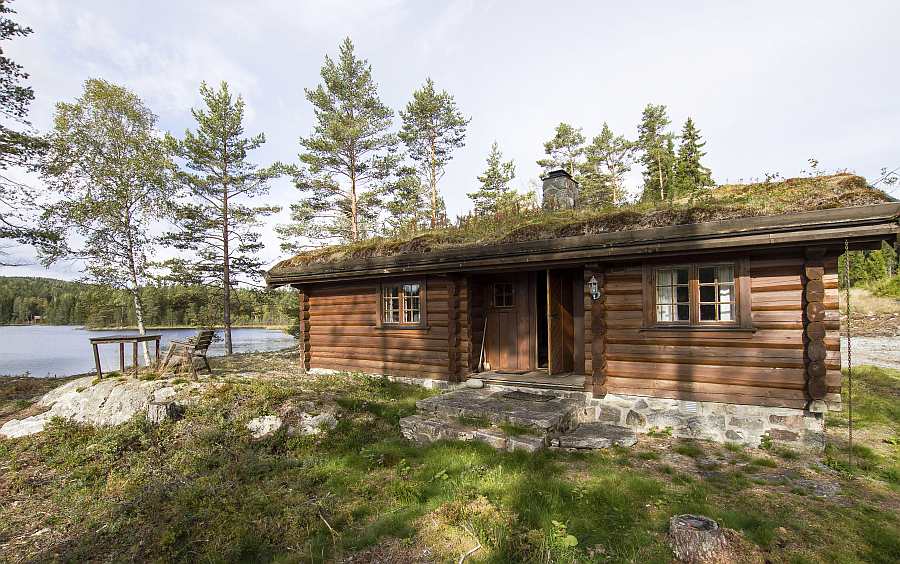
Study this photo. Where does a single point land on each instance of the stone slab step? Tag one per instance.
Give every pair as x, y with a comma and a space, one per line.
423, 430
595, 436
538, 411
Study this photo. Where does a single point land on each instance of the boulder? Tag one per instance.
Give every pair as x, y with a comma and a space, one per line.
264, 426
313, 424
112, 401
474, 383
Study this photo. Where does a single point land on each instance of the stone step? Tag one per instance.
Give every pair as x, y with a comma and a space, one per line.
594, 436
544, 412
423, 429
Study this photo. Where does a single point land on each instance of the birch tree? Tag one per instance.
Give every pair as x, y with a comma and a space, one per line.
433, 127
111, 175
217, 223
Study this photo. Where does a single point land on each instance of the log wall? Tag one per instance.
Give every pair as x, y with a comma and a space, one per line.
766, 366
343, 331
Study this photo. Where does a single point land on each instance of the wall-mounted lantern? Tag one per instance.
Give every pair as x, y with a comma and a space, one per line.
594, 288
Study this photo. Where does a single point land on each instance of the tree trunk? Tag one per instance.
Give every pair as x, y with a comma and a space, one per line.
136, 297
662, 195
354, 217
433, 180
226, 275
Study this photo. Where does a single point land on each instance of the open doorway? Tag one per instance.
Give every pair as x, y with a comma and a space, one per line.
540, 310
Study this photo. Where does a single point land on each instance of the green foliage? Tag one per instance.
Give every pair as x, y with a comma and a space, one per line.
19, 146
216, 223
692, 179
347, 158
877, 270
495, 195
607, 160
688, 448
59, 302
432, 128
112, 178
657, 148
564, 150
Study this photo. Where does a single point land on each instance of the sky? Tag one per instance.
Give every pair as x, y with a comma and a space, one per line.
770, 84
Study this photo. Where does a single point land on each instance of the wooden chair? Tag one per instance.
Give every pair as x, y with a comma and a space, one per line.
189, 351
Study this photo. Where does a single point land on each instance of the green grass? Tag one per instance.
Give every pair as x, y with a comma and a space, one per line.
514, 430
475, 422
723, 202
876, 399
201, 490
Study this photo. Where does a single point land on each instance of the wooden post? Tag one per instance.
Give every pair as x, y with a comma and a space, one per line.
598, 334
303, 337
157, 350
453, 328
97, 361
134, 356
122, 357
813, 322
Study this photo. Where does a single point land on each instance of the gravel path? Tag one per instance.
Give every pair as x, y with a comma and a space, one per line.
880, 351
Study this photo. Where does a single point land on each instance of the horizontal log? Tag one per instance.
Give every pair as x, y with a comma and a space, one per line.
707, 387
774, 377
380, 367
432, 332
761, 362
409, 357
406, 373
387, 341
704, 396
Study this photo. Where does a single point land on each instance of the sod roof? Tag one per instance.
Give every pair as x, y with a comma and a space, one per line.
730, 201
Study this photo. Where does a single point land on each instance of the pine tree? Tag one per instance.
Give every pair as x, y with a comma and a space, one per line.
113, 178
348, 157
217, 223
495, 190
564, 150
433, 127
408, 203
657, 153
19, 146
607, 160
691, 177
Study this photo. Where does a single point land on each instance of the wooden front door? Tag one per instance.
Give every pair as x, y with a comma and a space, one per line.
509, 341
560, 322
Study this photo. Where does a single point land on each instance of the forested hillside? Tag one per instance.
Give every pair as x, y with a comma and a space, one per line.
60, 302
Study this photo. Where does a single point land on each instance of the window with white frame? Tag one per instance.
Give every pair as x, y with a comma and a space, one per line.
401, 304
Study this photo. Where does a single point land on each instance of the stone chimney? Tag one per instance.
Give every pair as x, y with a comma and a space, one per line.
560, 190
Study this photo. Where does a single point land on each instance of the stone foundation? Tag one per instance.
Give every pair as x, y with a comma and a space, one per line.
722, 422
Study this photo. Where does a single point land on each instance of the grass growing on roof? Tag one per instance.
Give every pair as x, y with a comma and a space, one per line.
723, 202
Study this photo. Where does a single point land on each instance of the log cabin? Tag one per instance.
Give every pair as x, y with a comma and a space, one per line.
727, 330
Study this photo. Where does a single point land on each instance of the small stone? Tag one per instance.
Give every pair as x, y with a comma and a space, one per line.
818, 406
265, 426
782, 435
733, 435
493, 438
596, 436
635, 419
641, 404
314, 424
609, 414
526, 443
474, 383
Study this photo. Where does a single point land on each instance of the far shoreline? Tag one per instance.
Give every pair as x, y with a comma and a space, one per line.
147, 328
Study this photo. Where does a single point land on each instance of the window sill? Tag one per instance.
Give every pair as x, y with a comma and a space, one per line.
387, 328
734, 332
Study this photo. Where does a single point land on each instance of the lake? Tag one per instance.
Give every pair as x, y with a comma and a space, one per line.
62, 350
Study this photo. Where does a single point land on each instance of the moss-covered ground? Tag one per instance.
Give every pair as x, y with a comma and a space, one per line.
200, 489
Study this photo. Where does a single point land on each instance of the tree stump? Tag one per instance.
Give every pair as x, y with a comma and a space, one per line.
159, 411
696, 539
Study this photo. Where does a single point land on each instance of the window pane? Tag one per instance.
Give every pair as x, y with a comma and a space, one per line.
391, 304
725, 312
707, 312
707, 293
664, 313
726, 273
682, 294
726, 293
684, 313
664, 278
682, 275
664, 295
707, 275
411, 289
